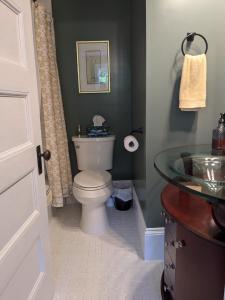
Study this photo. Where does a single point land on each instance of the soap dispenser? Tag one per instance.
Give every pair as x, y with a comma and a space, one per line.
218, 138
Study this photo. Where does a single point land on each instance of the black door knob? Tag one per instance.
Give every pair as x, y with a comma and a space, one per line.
46, 155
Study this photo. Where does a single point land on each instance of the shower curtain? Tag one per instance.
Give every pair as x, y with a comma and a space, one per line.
54, 135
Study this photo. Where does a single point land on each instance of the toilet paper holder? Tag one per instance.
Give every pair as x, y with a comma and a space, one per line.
137, 130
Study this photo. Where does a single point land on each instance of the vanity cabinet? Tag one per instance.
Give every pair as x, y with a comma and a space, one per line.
194, 265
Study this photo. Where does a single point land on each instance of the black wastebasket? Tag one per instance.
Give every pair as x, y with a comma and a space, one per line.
123, 199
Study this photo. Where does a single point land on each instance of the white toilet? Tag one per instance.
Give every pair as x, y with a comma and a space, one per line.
93, 185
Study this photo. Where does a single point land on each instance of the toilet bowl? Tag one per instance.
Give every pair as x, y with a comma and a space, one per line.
92, 188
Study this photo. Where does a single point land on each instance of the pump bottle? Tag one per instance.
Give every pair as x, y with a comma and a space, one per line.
218, 137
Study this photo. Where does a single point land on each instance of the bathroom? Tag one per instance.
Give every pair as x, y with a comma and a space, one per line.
127, 260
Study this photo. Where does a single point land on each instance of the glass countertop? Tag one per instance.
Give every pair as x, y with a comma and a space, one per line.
195, 169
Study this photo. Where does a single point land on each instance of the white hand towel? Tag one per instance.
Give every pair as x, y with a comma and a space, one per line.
193, 83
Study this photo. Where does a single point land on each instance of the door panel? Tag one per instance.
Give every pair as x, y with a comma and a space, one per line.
10, 35
14, 210
24, 276
13, 113
15, 251
16, 164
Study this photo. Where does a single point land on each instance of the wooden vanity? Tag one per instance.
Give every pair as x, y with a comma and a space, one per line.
194, 267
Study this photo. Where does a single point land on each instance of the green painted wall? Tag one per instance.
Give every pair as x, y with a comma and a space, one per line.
96, 20
166, 126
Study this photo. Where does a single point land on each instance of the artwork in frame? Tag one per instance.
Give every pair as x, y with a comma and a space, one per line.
93, 66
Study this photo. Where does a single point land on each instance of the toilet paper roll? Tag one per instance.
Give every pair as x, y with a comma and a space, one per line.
131, 143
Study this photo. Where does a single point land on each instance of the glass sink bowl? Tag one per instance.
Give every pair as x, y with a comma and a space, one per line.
196, 170
203, 169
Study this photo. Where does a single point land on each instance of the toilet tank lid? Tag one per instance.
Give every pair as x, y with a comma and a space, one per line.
85, 138
92, 178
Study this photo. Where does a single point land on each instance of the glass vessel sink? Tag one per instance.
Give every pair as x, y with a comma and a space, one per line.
195, 169
202, 169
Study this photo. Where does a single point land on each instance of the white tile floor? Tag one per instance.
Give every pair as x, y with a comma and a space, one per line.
100, 268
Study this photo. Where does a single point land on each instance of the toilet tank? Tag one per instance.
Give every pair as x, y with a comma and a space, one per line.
94, 153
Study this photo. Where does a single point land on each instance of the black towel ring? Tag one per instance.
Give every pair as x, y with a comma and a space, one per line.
190, 38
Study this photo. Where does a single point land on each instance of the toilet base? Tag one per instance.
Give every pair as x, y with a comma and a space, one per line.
94, 219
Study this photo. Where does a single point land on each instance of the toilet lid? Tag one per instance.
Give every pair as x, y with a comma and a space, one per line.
92, 179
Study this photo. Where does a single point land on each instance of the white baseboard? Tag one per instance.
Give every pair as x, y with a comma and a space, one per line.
154, 243
152, 239
140, 222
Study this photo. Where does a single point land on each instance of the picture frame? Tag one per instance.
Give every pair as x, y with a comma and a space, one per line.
93, 66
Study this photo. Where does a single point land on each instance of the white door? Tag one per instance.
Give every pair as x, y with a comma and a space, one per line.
24, 255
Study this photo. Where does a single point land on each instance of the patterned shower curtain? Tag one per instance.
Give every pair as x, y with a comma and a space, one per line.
52, 116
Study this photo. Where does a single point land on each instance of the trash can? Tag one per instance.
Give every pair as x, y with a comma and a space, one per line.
123, 198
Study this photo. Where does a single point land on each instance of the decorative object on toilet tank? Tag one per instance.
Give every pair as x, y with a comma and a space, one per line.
98, 129
98, 120
93, 66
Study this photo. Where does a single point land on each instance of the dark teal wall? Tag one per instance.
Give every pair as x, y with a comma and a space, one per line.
138, 30
96, 20
166, 126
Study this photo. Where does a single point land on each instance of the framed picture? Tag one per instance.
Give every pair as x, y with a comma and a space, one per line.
93, 66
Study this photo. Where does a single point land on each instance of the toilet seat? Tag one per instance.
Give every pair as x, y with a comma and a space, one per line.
92, 180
